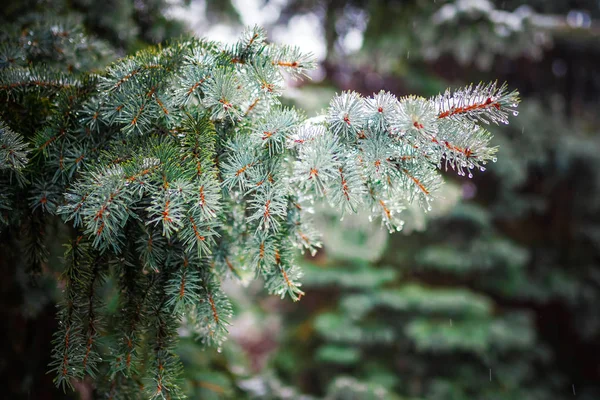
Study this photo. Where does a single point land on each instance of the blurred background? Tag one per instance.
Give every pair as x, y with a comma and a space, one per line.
495, 294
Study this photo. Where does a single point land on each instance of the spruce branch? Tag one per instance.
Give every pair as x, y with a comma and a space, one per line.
14, 153
70, 353
16, 82
165, 367
212, 311
284, 278
482, 103
180, 167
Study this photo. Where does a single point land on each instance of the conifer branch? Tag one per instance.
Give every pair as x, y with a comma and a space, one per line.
180, 166
14, 153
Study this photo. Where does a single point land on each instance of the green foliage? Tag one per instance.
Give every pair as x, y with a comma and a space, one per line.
13, 155
178, 167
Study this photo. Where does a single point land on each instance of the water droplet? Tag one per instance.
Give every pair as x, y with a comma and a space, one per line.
470, 175
482, 169
515, 113
579, 19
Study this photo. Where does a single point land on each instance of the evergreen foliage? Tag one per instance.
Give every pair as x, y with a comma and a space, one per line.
178, 166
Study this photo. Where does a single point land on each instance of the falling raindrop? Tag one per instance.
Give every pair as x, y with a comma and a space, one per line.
579, 19
559, 68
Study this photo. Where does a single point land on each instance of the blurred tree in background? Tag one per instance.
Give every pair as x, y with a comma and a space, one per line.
126, 24
496, 299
